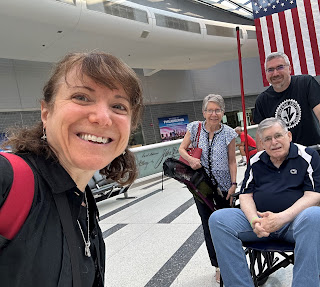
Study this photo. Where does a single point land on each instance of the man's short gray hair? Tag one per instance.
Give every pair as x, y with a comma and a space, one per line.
270, 122
217, 99
238, 129
277, 55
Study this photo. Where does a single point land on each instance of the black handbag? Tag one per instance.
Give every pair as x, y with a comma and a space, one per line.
197, 181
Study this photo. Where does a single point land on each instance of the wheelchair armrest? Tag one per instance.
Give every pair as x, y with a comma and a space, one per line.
235, 197
236, 194
315, 147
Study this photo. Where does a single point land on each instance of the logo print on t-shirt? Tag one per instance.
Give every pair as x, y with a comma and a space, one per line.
290, 112
293, 171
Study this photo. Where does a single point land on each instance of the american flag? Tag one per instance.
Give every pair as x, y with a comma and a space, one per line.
292, 27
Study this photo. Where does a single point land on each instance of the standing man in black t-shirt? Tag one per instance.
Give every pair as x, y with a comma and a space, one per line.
294, 99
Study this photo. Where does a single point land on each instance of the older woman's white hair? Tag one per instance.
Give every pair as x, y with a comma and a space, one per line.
217, 99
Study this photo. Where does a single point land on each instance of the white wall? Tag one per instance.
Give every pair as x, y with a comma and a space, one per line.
21, 83
224, 79
194, 85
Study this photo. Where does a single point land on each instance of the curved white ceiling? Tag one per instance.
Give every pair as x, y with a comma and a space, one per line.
45, 30
239, 7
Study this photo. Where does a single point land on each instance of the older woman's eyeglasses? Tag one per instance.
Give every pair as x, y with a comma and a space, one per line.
277, 136
278, 68
217, 111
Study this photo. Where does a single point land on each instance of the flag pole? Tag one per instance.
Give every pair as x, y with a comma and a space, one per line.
242, 95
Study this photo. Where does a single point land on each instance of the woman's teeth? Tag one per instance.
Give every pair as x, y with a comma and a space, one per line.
93, 138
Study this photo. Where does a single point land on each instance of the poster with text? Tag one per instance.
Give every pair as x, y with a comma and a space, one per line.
173, 128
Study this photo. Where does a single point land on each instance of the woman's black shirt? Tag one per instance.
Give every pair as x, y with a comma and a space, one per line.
39, 254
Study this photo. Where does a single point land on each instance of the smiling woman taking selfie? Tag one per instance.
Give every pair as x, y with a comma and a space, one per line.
86, 120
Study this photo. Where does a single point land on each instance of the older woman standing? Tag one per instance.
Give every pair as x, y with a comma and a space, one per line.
87, 117
218, 158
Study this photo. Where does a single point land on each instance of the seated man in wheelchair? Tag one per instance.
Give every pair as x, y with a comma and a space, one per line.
278, 200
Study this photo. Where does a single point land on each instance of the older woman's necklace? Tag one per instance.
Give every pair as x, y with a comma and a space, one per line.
86, 243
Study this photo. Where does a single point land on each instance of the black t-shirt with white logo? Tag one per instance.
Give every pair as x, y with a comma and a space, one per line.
294, 106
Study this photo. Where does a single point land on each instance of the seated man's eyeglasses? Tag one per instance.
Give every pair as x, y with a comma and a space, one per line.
278, 68
277, 136
217, 111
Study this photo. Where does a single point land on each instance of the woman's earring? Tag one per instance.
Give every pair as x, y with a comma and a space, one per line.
44, 137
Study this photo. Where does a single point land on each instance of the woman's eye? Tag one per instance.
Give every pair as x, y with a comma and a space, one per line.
82, 98
121, 108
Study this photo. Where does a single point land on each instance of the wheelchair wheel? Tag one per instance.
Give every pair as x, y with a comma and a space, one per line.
262, 281
259, 263
267, 261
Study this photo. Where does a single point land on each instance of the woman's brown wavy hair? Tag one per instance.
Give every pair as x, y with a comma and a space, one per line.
104, 69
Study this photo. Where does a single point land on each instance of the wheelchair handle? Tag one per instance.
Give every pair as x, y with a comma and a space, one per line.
315, 147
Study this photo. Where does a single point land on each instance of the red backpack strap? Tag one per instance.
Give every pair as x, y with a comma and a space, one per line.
15, 209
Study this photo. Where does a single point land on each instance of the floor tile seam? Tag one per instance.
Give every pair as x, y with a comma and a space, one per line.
110, 213
146, 186
163, 191
165, 272
148, 229
131, 201
140, 234
133, 213
169, 212
163, 200
180, 223
113, 229
154, 200
173, 214
157, 223
155, 183
177, 212
135, 189
131, 241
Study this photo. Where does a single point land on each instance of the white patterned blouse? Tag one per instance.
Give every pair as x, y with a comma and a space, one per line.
214, 155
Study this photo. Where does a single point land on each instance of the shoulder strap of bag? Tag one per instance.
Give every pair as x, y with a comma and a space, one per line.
63, 207
198, 133
15, 209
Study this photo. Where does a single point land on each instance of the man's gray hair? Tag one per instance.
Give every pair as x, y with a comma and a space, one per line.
217, 99
276, 55
238, 129
270, 122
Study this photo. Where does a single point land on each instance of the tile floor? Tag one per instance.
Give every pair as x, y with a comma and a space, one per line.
156, 240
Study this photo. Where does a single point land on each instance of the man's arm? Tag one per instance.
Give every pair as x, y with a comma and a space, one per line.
249, 208
272, 222
248, 205
316, 111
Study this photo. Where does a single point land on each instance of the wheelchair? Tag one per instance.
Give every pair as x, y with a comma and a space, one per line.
263, 256
263, 260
